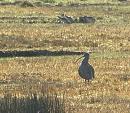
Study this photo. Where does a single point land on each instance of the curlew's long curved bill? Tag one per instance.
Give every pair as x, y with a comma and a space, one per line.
79, 58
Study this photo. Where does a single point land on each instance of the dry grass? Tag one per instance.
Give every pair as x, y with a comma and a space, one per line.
109, 37
108, 92
72, 37
110, 32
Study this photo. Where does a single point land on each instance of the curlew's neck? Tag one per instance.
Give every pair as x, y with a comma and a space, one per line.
85, 60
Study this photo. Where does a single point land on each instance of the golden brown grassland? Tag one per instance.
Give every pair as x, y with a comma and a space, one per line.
109, 38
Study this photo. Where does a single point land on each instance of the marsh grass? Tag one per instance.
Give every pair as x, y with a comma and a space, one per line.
108, 38
109, 33
107, 92
70, 37
46, 103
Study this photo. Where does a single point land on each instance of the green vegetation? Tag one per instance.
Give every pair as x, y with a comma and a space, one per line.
70, 1
48, 1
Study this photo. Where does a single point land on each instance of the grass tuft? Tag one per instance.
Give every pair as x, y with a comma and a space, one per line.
49, 103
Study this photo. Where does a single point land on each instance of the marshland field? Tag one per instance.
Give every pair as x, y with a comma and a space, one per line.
35, 27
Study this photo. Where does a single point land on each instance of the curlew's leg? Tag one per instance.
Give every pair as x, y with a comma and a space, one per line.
89, 82
85, 81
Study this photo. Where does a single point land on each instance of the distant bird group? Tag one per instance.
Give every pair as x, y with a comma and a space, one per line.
86, 71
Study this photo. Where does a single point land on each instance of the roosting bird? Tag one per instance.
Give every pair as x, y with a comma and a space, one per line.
86, 71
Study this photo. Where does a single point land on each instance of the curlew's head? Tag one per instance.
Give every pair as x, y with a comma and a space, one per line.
86, 55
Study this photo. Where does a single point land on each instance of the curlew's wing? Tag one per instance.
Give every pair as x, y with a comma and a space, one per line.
86, 71
91, 69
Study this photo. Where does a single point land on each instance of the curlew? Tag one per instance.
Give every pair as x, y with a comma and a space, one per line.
86, 71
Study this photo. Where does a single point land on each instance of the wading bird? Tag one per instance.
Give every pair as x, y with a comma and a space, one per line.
86, 71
